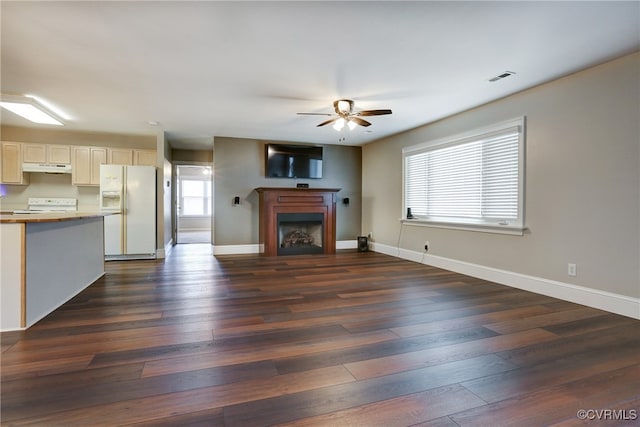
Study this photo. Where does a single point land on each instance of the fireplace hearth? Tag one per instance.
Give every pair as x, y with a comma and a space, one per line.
297, 221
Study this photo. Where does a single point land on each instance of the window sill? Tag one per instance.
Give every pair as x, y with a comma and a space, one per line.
482, 228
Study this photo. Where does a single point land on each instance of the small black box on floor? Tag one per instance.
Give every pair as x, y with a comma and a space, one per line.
363, 244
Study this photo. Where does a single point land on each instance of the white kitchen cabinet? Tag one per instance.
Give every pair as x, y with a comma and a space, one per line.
144, 157
59, 154
46, 153
34, 153
86, 163
120, 156
11, 164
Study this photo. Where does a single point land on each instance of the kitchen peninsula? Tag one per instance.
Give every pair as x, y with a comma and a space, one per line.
45, 260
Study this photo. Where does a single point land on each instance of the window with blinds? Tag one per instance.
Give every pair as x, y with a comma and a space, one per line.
475, 180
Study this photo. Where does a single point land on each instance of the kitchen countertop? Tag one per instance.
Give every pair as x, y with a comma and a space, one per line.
51, 216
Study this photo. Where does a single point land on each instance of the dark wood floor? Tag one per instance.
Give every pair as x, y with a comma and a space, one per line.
355, 339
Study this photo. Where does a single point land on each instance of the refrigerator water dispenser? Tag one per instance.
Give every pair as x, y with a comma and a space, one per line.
111, 200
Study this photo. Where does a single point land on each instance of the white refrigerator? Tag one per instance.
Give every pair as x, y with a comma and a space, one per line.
131, 191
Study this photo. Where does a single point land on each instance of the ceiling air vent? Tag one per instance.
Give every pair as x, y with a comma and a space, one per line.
501, 76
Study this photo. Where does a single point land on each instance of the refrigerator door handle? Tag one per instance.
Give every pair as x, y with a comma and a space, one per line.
125, 206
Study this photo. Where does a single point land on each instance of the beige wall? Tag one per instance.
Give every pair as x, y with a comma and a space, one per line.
61, 136
582, 192
165, 188
195, 156
49, 185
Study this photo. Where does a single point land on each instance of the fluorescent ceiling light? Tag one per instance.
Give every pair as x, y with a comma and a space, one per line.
30, 112
50, 107
30, 109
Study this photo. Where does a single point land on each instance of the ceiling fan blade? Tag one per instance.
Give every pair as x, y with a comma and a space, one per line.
314, 114
360, 121
373, 112
328, 122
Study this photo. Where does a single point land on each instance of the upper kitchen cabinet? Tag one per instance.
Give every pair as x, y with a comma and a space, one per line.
144, 157
34, 153
86, 163
128, 156
120, 156
46, 153
59, 154
11, 164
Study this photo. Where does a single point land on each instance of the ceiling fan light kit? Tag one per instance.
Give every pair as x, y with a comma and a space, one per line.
343, 106
340, 122
346, 115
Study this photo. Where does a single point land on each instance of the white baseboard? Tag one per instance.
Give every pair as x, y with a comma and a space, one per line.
603, 300
164, 252
346, 244
236, 249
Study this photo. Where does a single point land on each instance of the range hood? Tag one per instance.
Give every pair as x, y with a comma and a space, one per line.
46, 168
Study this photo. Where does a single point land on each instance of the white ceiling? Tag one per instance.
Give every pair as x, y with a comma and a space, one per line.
244, 69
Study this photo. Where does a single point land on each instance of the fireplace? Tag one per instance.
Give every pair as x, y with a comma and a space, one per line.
297, 221
300, 233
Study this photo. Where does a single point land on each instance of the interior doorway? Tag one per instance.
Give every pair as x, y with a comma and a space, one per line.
193, 204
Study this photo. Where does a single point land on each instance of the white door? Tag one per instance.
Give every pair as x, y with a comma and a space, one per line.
140, 207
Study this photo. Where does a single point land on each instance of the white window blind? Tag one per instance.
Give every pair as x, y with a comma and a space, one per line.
474, 180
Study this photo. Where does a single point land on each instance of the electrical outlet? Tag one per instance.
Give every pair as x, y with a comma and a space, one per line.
572, 269
426, 245
370, 235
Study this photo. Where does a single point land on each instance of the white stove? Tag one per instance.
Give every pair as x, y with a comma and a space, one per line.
49, 204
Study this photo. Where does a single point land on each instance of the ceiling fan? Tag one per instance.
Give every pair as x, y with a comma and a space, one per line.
344, 114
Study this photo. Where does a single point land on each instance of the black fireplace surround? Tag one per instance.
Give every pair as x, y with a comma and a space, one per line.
300, 233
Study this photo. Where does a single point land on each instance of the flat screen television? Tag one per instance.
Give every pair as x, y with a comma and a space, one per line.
293, 161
